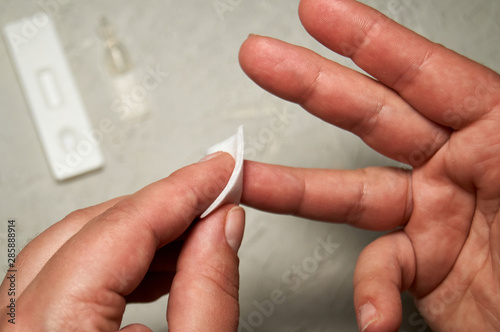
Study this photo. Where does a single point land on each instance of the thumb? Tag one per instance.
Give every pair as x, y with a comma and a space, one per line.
204, 292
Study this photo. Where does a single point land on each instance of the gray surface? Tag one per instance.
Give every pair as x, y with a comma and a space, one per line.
202, 100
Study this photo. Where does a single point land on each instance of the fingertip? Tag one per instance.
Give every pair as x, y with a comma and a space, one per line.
235, 226
207, 278
218, 236
383, 270
314, 13
136, 328
281, 68
367, 316
306, 10
212, 156
217, 157
378, 307
250, 52
259, 53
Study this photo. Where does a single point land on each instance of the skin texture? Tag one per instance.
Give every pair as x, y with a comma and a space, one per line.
427, 106
79, 274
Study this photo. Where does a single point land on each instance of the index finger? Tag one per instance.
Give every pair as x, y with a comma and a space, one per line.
442, 85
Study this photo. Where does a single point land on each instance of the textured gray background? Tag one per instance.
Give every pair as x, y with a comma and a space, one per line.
201, 101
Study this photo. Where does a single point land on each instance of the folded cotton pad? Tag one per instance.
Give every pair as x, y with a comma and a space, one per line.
235, 146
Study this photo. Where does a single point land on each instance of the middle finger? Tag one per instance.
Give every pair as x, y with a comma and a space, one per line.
343, 97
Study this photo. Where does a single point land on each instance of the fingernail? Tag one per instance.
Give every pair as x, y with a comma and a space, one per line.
235, 225
367, 315
210, 156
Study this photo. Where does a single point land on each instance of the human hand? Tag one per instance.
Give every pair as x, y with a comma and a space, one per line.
79, 274
428, 107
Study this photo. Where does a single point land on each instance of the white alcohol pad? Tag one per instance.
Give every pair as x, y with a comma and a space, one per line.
235, 146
